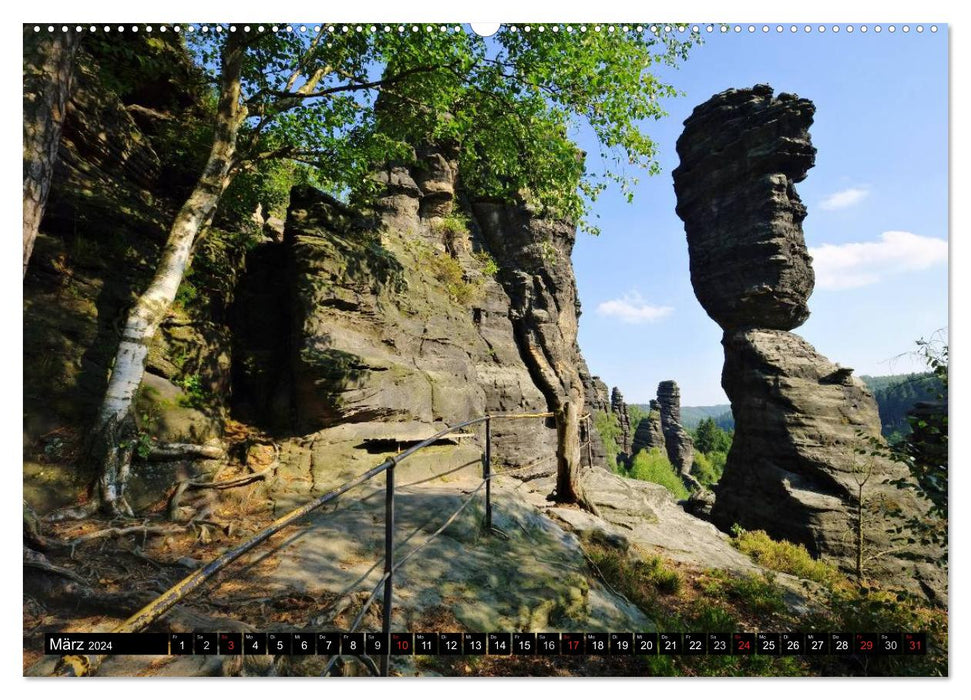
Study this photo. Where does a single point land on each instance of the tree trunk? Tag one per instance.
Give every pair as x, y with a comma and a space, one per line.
48, 78
859, 534
568, 449
114, 435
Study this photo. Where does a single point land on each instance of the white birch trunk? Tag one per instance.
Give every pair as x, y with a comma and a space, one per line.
114, 432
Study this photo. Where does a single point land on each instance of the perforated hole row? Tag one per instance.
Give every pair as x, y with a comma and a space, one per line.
527, 28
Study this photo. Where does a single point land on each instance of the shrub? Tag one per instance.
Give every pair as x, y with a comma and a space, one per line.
608, 428
455, 224
754, 592
783, 556
489, 265
654, 466
638, 579
448, 271
708, 468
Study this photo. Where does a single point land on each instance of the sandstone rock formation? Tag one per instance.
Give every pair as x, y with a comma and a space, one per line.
347, 332
378, 337
649, 433
533, 256
619, 409
793, 469
741, 154
596, 399
596, 393
678, 443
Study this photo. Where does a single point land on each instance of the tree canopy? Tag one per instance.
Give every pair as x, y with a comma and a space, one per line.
709, 437
346, 97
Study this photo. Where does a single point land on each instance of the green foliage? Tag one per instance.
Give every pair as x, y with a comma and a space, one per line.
608, 428
455, 224
660, 591
783, 556
194, 392
641, 580
508, 104
925, 454
144, 444
187, 294
708, 437
691, 416
708, 469
653, 465
461, 288
712, 444
266, 184
861, 608
897, 394
756, 593
488, 264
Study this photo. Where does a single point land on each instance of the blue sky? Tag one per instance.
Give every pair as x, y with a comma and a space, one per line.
877, 223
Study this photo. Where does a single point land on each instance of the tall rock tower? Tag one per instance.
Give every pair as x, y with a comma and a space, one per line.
793, 469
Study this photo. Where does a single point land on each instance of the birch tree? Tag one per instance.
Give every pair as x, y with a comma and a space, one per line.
509, 104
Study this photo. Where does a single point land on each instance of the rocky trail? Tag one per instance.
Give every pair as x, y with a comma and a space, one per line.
530, 573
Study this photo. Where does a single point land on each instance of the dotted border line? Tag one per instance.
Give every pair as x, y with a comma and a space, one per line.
527, 28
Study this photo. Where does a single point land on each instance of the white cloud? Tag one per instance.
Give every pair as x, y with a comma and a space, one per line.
631, 308
851, 265
844, 198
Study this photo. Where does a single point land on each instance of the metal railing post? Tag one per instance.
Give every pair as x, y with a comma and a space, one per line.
487, 473
589, 443
388, 567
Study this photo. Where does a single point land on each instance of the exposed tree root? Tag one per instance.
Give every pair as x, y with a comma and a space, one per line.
231, 483
36, 560
82, 512
122, 531
167, 452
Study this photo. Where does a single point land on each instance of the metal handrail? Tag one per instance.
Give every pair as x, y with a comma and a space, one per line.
165, 602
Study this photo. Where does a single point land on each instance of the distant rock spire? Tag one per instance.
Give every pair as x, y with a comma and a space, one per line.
678, 443
620, 410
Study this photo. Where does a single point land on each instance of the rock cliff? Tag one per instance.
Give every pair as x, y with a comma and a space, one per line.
800, 420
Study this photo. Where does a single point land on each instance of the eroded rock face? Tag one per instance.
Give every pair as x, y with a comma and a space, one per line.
597, 399
379, 337
533, 256
649, 434
678, 443
398, 318
741, 153
794, 468
619, 409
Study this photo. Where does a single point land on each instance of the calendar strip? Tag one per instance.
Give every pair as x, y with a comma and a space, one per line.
492, 643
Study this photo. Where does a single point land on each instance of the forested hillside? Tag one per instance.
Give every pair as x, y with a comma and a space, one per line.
896, 394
